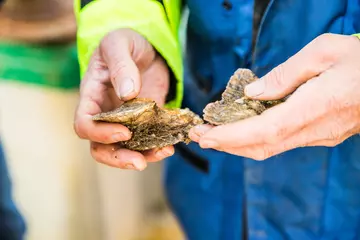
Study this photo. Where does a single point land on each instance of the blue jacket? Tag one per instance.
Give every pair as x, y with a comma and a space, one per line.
306, 193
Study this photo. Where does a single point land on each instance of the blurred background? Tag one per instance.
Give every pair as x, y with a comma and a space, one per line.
62, 193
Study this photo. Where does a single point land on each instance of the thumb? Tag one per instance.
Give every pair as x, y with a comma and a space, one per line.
116, 50
276, 84
309, 62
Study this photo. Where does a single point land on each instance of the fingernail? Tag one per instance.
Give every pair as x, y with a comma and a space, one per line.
117, 137
164, 153
139, 164
129, 166
255, 89
200, 130
126, 87
208, 144
169, 151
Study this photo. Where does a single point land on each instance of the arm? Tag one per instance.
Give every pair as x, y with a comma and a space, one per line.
157, 22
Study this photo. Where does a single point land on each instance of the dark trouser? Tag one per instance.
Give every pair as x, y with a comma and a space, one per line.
12, 226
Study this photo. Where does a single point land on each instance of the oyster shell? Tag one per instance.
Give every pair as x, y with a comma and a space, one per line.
151, 126
155, 127
234, 105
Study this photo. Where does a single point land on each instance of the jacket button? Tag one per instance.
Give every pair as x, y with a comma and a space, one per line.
227, 5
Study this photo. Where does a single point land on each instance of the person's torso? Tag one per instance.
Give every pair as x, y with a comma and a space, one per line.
220, 36
306, 193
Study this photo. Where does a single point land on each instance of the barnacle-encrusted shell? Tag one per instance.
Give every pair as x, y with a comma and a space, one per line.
151, 126
234, 105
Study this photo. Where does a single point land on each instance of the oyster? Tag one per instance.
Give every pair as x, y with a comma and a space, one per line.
151, 126
234, 105
155, 127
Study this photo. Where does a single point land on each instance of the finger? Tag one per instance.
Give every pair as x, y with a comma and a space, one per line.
197, 132
272, 126
122, 158
231, 135
156, 155
251, 131
304, 108
254, 152
327, 132
126, 54
309, 62
92, 92
124, 73
100, 132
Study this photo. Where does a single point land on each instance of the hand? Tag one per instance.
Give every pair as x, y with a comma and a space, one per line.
323, 111
124, 66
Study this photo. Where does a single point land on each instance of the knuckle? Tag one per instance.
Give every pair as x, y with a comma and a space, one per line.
124, 35
324, 42
334, 135
331, 47
327, 39
101, 137
325, 59
112, 36
107, 40
119, 66
263, 154
277, 76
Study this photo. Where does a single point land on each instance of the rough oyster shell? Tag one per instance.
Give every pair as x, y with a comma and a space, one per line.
234, 105
151, 126
154, 127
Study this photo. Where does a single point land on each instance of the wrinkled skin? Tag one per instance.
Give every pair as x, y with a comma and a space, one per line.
124, 66
325, 80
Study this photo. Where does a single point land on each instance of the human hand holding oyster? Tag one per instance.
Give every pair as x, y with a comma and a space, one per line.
323, 79
124, 66
270, 126
156, 127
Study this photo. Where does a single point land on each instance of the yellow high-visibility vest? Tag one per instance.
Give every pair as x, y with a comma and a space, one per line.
157, 21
